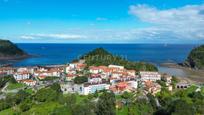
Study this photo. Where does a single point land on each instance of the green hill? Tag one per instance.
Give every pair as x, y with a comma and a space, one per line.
8, 50
100, 56
196, 58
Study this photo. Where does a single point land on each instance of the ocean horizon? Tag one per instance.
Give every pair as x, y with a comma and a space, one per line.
62, 53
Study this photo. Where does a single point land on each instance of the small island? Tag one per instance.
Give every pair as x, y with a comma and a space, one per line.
9, 51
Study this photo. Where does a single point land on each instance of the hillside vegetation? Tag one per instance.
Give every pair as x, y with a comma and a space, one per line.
100, 56
196, 58
51, 101
10, 50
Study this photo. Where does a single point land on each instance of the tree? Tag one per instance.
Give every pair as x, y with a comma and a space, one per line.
196, 58
61, 111
106, 104
5, 79
96, 93
100, 56
180, 107
126, 95
162, 83
71, 101
20, 96
46, 94
152, 101
143, 107
56, 87
164, 96
80, 80
12, 79
4, 105
84, 108
25, 105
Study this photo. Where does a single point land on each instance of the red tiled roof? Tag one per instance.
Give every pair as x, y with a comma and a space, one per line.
71, 75
122, 84
148, 84
42, 77
27, 80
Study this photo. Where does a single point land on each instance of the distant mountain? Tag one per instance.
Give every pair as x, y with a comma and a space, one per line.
100, 56
8, 51
196, 58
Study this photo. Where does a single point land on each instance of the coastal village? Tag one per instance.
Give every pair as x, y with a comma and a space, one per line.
94, 81
91, 79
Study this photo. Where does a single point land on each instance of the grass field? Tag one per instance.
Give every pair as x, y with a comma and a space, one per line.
122, 111
12, 86
47, 108
38, 109
80, 98
42, 109
7, 112
30, 91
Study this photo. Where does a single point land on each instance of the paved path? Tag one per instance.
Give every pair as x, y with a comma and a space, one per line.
4, 88
157, 102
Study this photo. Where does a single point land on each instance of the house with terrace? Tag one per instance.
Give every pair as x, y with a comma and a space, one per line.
121, 87
56, 72
152, 87
70, 77
83, 89
149, 76
75, 67
21, 75
28, 82
7, 70
95, 70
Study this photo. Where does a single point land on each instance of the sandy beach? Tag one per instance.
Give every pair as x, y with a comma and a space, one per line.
191, 75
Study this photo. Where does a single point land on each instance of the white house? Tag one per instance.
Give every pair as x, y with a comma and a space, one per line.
29, 82
21, 75
70, 77
96, 79
116, 74
90, 89
51, 72
69, 68
7, 70
116, 66
94, 70
133, 84
22, 69
74, 67
67, 88
151, 76
131, 72
83, 89
167, 79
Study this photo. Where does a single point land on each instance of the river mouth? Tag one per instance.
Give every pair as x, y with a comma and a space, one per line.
182, 72
172, 71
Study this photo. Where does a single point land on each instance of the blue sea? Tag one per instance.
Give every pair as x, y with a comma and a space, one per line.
49, 54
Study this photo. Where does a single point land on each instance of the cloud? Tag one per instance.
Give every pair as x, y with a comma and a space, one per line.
52, 36
176, 25
101, 19
186, 22
27, 37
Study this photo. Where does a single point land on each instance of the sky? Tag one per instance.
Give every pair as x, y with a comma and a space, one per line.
102, 21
